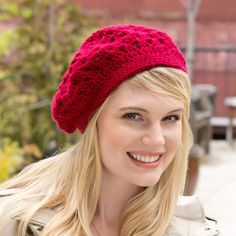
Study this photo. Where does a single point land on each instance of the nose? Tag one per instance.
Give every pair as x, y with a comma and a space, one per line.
154, 136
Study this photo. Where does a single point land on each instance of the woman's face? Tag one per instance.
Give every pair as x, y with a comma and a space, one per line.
139, 134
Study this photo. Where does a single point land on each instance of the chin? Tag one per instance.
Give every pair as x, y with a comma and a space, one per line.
148, 182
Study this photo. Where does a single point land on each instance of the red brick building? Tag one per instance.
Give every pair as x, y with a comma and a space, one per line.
215, 53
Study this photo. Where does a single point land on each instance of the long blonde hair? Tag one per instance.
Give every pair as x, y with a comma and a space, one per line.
69, 183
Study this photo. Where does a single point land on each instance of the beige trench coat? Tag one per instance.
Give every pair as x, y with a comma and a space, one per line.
189, 220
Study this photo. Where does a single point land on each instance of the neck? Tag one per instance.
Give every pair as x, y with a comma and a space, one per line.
114, 195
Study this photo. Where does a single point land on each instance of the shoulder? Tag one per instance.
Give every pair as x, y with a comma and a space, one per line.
8, 192
4, 196
10, 228
190, 220
36, 224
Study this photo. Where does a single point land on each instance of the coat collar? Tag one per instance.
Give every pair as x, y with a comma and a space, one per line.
189, 218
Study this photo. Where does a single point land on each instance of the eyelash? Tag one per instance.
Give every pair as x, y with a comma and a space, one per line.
169, 118
128, 116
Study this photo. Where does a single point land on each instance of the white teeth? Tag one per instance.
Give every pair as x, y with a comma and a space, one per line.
152, 159
147, 159
143, 159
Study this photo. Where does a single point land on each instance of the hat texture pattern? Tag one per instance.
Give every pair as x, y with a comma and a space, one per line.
108, 57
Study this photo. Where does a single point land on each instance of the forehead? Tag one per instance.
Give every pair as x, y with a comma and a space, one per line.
130, 95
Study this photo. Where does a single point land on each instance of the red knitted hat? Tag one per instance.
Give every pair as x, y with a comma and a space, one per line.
108, 57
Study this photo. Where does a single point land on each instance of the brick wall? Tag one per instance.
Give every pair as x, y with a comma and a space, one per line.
215, 57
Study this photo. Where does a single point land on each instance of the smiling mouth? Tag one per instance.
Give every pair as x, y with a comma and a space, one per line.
144, 159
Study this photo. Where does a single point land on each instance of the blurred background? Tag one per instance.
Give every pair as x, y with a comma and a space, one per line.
38, 39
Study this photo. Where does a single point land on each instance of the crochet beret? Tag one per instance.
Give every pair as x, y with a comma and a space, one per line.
108, 57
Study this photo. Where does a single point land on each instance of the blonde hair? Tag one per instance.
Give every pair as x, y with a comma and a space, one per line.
69, 183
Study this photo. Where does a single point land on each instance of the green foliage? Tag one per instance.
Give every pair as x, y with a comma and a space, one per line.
10, 158
5, 38
34, 57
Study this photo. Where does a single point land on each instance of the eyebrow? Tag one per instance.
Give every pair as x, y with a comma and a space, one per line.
176, 110
144, 110
133, 108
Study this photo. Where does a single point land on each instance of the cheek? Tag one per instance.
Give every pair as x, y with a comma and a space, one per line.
110, 141
173, 142
110, 136
175, 137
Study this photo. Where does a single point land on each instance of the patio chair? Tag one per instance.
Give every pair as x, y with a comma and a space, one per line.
201, 111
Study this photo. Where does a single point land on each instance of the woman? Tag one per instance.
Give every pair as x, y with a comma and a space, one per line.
127, 91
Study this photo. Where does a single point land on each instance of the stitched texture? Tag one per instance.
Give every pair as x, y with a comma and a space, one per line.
108, 57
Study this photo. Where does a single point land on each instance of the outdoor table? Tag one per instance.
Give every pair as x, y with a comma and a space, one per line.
230, 103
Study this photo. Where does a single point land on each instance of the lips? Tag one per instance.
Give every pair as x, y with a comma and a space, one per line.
144, 158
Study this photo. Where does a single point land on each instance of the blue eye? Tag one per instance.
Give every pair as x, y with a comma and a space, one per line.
132, 116
172, 118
